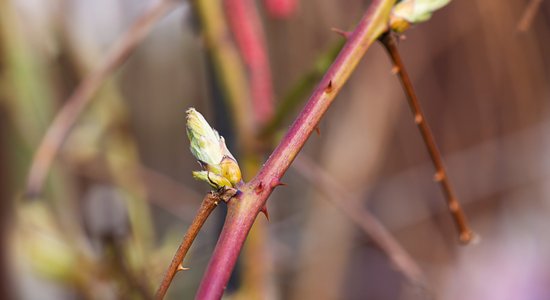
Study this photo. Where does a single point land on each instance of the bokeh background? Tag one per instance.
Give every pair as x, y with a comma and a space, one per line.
120, 194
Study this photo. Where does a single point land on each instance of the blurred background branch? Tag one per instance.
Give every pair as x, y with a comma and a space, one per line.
83, 94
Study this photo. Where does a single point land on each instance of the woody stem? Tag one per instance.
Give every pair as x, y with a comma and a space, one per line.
461, 222
209, 202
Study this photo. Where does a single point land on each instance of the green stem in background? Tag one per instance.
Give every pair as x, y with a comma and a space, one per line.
82, 95
26, 87
465, 233
244, 208
298, 92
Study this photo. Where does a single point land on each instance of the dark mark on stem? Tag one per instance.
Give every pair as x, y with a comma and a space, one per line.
329, 87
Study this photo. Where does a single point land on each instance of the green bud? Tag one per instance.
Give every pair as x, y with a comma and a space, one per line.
220, 167
205, 141
409, 12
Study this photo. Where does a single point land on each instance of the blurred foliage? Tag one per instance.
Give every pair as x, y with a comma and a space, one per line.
99, 230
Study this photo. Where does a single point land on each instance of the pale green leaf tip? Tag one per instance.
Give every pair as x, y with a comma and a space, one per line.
205, 141
220, 167
215, 181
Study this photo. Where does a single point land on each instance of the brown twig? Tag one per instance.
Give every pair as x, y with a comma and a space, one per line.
82, 95
209, 202
528, 15
465, 233
362, 218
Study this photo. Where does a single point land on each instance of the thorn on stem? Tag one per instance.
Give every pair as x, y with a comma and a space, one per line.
418, 119
259, 188
275, 183
329, 87
264, 211
182, 268
343, 33
453, 206
317, 130
468, 237
439, 176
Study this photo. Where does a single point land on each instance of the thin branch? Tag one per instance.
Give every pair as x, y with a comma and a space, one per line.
528, 15
82, 95
362, 218
245, 206
209, 202
465, 233
245, 23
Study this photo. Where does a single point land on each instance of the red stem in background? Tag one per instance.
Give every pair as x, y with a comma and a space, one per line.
243, 208
246, 26
280, 9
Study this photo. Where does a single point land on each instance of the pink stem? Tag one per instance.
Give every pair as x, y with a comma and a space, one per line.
246, 26
243, 209
280, 9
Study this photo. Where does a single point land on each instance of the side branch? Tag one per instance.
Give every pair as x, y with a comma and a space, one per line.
465, 233
208, 204
82, 95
